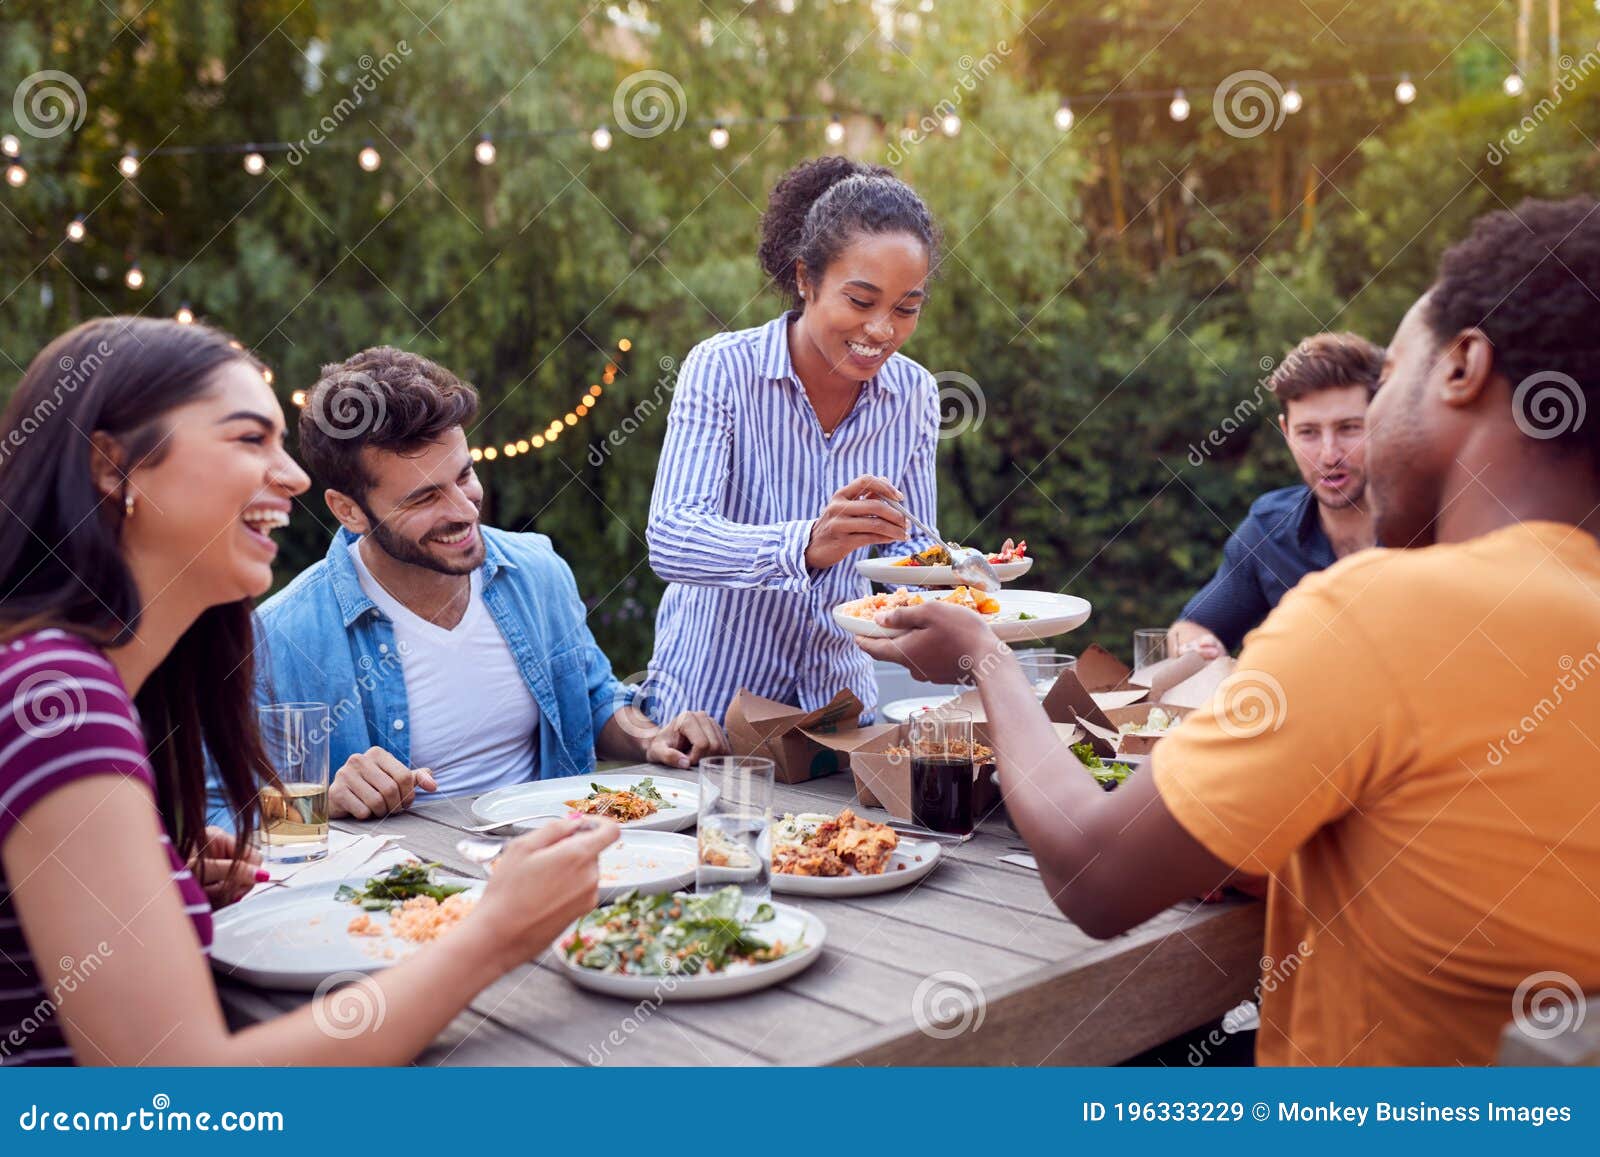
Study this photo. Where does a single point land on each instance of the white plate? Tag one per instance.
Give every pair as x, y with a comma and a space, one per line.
903, 869
884, 570
679, 811
903, 709
295, 938
789, 925
646, 862
1053, 615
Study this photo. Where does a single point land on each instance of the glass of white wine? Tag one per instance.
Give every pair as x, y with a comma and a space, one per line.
294, 811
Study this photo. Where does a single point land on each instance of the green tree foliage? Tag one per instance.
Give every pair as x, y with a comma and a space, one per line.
1117, 291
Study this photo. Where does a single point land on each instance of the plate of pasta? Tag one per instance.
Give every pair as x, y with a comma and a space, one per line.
1014, 616
646, 803
931, 567
817, 854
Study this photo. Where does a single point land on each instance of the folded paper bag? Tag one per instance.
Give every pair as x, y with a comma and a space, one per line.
801, 744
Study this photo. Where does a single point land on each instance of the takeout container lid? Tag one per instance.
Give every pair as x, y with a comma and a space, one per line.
884, 780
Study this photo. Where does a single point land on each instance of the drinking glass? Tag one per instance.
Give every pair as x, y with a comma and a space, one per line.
1043, 668
1149, 647
294, 812
942, 773
735, 826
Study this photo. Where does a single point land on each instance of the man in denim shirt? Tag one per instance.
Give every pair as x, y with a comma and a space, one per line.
453, 657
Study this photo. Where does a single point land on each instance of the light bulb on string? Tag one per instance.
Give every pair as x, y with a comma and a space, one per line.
522, 445
1512, 84
581, 410
134, 278
600, 139
490, 453
950, 124
185, 315
1405, 92
267, 375
834, 133
128, 166
477, 454
483, 152
1179, 108
719, 137
594, 392
254, 163
1064, 117
1293, 102
537, 441
624, 345
77, 230
511, 450
369, 158
16, 174
10, 145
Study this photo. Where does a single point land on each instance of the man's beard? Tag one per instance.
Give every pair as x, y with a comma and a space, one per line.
404, 550
1346, 500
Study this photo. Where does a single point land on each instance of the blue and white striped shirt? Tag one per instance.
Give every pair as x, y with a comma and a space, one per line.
744, 473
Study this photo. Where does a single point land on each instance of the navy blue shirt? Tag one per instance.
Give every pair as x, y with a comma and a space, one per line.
1279, 542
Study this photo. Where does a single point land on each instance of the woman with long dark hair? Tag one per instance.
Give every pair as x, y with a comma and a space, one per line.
142, 470
784, 443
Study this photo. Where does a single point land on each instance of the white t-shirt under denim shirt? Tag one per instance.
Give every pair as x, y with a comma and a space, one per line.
472, 719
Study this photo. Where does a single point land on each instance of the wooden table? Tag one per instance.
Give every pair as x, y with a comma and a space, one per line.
975, 935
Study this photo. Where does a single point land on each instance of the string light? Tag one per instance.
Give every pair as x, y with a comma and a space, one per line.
483, 151
369, 159
600, 139
719, 137
950, 125
537, 441
490, 454
1293, 102
128, 166
1179, 108
299, 399
477, 454
624, 345
77, 230
266, 375
511, 450
1405, 92
16, 174
134, 278
10, 145
834, 133
522, 445
254, 163
1512, 84
185, 315
1064, 117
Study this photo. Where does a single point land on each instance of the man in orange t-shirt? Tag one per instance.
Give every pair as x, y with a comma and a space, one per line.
1410, 748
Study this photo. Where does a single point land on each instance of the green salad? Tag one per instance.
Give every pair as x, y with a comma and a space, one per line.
670, 935
398, 884
1107, 775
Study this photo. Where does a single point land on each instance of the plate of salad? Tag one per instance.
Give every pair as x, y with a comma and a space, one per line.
294, 938
688, 947
642, 802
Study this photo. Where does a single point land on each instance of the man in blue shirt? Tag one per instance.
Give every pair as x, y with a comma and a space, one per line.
1323, 387
453, 657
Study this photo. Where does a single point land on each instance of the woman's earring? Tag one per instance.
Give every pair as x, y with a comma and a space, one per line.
127, 505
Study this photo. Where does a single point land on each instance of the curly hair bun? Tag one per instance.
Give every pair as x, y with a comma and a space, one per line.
817, 206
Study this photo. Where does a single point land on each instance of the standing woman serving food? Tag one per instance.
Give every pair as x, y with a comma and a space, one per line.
784, 443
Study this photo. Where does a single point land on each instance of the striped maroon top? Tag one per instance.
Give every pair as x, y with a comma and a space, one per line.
64, 716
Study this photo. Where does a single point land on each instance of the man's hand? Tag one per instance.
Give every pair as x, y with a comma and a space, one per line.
374, 783
685, 740
1184, 637
944, 644
225, 870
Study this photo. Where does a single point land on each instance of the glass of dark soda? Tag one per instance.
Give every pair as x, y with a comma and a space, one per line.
942, 774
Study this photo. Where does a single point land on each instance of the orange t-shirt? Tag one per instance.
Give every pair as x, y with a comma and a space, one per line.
1411, 749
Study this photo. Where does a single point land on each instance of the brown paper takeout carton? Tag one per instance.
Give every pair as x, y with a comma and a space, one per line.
1100, 693
801, 744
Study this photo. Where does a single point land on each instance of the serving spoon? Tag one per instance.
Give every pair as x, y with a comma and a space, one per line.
967, 564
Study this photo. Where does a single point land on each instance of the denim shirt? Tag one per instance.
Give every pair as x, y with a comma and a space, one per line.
322, 640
